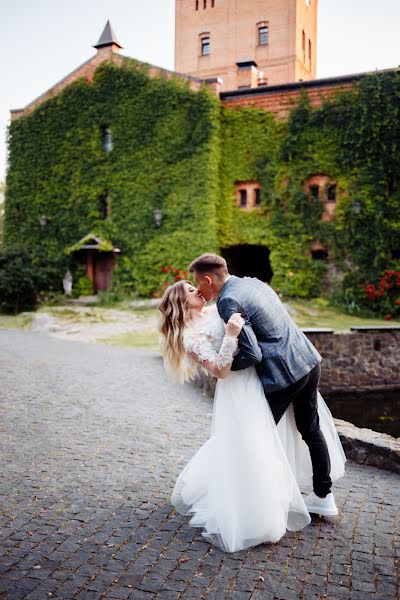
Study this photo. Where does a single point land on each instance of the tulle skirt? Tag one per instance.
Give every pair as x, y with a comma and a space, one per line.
242, 486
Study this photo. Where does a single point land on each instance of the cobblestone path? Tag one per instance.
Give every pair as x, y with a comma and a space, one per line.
92, 438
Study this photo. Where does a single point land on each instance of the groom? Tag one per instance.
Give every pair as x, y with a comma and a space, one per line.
287, 363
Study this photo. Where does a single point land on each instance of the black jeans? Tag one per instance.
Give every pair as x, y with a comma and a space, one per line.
304, 395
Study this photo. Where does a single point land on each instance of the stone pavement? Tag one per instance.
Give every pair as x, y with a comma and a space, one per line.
92, 438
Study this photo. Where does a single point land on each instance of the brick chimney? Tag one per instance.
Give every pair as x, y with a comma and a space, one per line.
247, 74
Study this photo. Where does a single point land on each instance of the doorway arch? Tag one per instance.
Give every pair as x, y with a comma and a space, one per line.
248, 260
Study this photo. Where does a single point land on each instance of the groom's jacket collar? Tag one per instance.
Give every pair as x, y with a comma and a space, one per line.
226, 285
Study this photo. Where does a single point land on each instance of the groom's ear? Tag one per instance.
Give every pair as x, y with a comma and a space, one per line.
208, 279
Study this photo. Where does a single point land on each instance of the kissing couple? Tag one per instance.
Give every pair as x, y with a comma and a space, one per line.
271, 433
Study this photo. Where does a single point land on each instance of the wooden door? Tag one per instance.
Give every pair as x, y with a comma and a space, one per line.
104, 263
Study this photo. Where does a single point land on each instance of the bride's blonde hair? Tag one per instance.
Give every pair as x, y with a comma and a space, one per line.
175, 316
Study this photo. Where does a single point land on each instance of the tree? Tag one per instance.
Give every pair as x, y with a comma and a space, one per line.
2, 195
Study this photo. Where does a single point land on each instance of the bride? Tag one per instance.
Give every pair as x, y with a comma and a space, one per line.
242, 486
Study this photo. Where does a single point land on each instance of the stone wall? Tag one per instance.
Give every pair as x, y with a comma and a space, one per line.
355, 361
360, 360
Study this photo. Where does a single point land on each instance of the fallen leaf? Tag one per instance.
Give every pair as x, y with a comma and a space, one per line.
183, 559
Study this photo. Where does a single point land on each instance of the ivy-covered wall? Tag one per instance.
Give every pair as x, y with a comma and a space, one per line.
354, 140
165, 155
183, 152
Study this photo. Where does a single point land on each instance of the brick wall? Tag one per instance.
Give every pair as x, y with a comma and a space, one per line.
279, 102
232, 27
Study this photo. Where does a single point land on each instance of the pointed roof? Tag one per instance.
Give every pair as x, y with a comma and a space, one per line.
107, 38
92, 242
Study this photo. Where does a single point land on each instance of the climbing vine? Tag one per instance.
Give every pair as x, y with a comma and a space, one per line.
182, 152
355, 139
164, 156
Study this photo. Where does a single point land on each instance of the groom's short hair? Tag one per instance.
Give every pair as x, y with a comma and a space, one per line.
209, 263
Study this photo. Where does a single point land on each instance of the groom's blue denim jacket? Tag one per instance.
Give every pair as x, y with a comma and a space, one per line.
270, 340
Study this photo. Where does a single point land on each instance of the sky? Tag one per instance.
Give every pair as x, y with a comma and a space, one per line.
41, 41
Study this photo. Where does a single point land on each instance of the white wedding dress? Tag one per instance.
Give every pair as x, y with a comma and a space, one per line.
242, 486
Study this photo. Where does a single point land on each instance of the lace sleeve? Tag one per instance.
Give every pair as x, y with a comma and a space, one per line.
200, 344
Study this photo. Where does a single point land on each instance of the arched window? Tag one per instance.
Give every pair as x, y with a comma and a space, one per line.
197, 4
248, 195
243, 198
263, 35
205, 46
205, 4
314, 191
331, 193
212, 3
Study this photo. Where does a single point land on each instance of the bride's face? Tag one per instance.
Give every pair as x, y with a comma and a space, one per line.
193, 297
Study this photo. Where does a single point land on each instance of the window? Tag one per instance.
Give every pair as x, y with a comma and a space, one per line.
319, 254
212, 3
263, 35
303, 43
314, 191
331, 193
197, 4
205, 46
243, 198
106, 139
309, 52
248, 195
103, 207
205, 4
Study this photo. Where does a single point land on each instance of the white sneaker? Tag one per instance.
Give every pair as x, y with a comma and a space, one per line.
321, 506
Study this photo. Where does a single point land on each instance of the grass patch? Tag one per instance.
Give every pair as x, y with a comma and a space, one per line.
312, 314
21, 321
78, 315
306, 313
147, 340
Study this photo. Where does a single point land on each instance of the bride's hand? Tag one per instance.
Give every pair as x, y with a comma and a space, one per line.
234, 325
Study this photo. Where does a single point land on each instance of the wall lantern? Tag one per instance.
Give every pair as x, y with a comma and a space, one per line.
357, 206
107, 139
158, 216
43, 220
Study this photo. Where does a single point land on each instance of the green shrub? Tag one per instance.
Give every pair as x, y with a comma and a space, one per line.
18, 288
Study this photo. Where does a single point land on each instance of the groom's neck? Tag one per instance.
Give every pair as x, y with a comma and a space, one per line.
222, 282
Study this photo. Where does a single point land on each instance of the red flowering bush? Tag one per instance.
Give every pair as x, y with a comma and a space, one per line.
385, 298
171, 275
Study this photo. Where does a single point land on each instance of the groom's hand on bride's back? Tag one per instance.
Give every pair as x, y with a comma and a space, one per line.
249, 353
